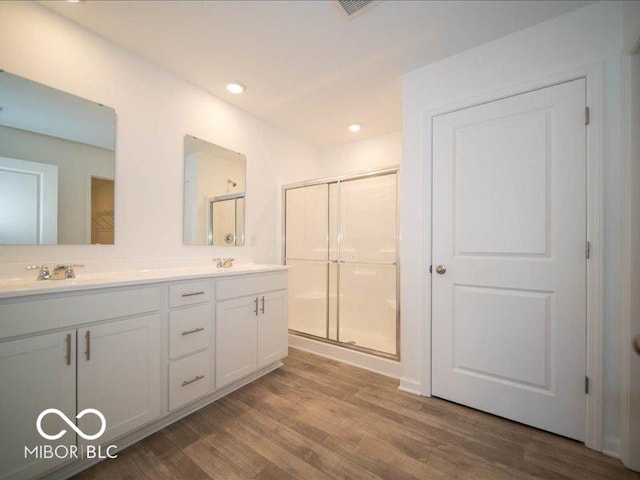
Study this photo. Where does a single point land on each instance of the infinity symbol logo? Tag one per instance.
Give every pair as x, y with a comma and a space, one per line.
71, 424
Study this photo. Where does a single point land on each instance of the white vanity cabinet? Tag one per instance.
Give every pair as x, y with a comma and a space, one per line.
143, 353
191, 332
119, 374
273, 339
111, 364
36, 373
251, 330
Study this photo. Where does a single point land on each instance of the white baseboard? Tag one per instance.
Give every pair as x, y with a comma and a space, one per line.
383, 366
410, 386
611, 447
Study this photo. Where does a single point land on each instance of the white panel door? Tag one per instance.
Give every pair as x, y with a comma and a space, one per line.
509, 209
36, 373
119, 374
28, 202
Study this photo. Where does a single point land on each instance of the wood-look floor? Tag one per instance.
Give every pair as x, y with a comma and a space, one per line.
316, 418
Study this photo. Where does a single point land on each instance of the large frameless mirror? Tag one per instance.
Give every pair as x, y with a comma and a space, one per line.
214, 194
57, 166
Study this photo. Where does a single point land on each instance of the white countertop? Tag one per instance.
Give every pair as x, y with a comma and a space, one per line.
23, 286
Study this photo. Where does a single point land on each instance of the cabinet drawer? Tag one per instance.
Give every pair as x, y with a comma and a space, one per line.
189, 330
188, 293
251, 285
189, 379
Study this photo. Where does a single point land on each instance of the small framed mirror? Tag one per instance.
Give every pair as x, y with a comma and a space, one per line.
214, 194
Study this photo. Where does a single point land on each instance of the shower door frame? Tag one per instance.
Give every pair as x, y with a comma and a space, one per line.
225, 198
338, 180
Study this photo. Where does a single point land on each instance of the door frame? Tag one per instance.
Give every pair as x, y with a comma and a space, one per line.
594, 77
87, 203
631, 53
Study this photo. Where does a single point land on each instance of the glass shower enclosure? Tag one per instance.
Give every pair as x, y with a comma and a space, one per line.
340, 241
226, 220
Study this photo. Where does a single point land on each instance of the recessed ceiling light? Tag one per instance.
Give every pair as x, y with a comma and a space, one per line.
236, 87
354, 127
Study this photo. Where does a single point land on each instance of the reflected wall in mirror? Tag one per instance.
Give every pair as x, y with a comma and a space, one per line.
57, 166
214, 194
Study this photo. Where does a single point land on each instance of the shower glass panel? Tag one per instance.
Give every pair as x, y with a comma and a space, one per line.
226, 220
307, 255
307, 223
367, 268
368, 306
340, 242
308, 293
240, 221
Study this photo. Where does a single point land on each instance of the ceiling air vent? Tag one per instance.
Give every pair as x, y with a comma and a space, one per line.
354, 8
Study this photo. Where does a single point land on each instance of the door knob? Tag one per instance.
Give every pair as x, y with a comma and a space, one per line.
440, 269
636, 344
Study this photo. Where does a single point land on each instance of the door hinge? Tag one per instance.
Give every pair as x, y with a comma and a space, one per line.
587, 249
586, 385
430, 268
587, 115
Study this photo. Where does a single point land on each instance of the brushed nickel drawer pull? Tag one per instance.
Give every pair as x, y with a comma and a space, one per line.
68, 354
192, 294
195, 330
87, 336
256, 309
262, 308
195, 379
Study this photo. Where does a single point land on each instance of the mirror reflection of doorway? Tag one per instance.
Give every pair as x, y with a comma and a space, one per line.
102, 219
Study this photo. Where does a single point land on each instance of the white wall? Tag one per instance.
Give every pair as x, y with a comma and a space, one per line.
591, 34
154, 109
361, 155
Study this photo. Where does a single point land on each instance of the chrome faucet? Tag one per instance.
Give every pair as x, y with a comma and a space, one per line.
224, 262
43, 273
61, 272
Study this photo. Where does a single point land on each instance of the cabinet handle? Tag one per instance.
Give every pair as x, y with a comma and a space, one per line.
195, 379
262, 308
87, 337
192, 294
67, 357
195, 330
256, 302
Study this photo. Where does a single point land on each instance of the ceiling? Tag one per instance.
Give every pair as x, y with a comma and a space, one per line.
308, 70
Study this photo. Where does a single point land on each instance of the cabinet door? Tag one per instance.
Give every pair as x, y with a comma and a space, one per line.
236, 339
119, 374
36, 373
272, 328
